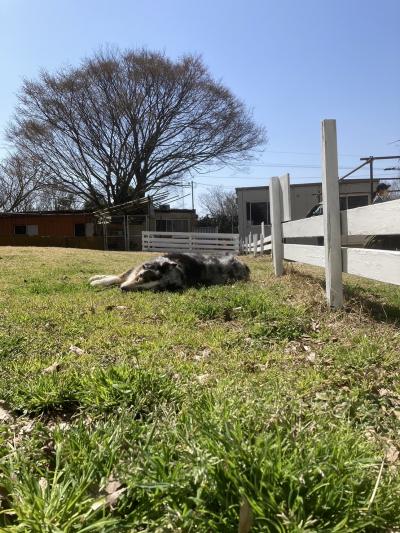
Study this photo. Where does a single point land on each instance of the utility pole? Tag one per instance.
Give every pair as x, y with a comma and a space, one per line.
191, 183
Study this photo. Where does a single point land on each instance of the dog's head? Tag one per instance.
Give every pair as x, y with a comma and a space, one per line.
155, 275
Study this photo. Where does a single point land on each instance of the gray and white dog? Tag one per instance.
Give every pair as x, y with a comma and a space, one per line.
176, 271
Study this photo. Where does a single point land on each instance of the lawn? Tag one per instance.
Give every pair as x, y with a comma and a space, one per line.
193, 411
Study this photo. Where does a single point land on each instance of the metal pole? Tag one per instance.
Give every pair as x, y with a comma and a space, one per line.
371, 177
192, 196
105, 237
127, 233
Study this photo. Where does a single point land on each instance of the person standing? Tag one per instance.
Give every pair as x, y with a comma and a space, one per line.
381, 193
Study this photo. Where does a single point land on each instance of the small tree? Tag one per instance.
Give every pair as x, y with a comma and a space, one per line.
221, 207
123, 124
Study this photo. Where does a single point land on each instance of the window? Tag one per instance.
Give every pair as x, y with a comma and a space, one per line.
172, 225
20, 230
357, 201
350, 202
79, 230
258, 212
32, 229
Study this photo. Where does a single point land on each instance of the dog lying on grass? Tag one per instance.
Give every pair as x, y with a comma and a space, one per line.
176, 271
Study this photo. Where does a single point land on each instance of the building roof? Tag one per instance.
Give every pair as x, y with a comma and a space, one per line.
45, 213
81, 212
173, 210
310, 184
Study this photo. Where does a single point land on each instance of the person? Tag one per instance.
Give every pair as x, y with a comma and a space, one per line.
381, 193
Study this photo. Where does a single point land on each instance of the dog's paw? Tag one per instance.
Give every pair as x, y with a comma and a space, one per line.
94, 278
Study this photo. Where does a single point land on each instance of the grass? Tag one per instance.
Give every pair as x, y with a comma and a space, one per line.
177, 411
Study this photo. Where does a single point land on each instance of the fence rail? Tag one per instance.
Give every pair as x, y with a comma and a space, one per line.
213, 243
377, 219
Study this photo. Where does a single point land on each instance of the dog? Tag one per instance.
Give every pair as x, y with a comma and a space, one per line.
176, 271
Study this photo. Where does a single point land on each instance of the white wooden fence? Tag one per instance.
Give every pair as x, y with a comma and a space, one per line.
377, 219
255, 243
206, 243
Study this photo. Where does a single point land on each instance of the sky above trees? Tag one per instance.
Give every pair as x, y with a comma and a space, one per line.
293, 63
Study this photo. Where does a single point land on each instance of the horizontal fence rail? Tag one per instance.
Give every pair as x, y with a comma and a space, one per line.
206, 243
376, 219
379, 265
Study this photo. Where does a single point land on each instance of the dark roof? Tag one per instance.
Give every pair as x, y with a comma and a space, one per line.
45, 213
165, 210
80, 212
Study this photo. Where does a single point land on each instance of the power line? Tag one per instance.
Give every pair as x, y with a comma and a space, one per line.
295, 165
205, 176
307, 153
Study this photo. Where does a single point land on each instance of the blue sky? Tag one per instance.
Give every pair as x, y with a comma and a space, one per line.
293, 62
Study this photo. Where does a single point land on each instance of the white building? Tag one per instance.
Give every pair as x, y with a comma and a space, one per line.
254, 204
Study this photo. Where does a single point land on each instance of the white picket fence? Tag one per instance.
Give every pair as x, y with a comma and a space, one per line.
255, 244
205, 243
377, 219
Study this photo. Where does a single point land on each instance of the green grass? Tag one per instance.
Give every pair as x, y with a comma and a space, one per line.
181, 408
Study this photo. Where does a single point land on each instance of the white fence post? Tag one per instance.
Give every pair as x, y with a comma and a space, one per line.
332, 231
284, 182
255, 239
276, 229
262, 237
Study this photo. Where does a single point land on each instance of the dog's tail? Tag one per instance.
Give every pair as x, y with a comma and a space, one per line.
105, 281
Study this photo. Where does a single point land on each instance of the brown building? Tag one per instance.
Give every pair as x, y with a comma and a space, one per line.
82, 229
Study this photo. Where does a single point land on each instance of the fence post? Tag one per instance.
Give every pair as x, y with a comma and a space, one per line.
262, 237
276, 229
250, 242
284, 182
332, 230
255, 239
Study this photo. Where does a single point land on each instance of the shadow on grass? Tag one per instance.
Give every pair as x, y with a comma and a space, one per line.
371, 303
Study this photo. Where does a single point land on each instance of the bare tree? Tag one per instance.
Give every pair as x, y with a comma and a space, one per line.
221, 208
20, 182
52, 199
123, 124
395, 188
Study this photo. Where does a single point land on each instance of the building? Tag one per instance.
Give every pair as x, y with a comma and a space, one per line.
121, 229
254, 204
76, 229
